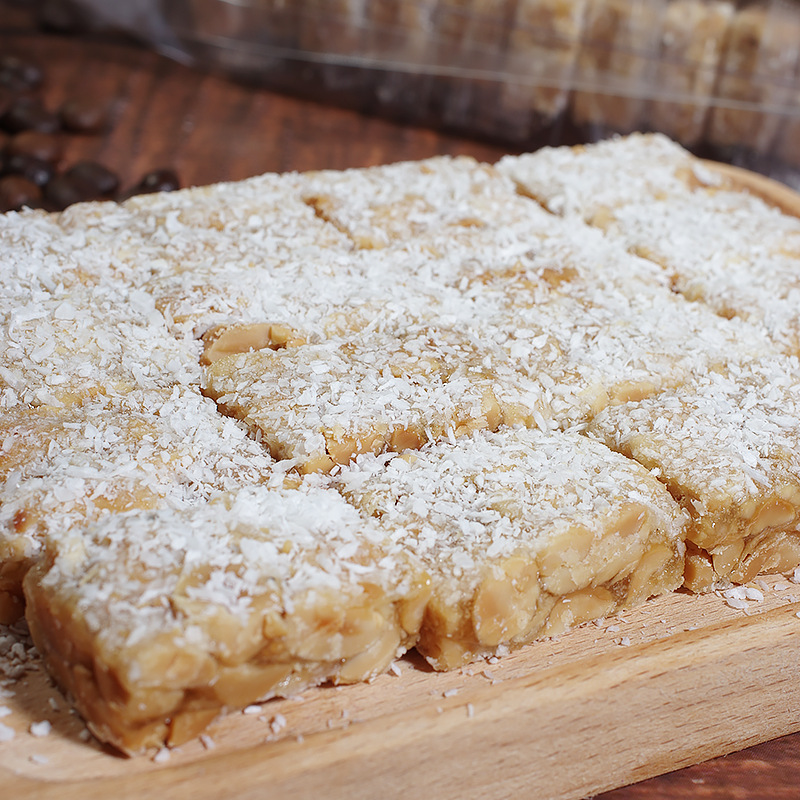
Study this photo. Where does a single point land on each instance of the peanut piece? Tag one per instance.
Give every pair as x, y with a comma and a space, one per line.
773, 514
412, 607
564, 566
227, 340
659, 570
505, 602
726, 557
371, 661
578, 607
779, 552
187, 725
239, 686
698, 572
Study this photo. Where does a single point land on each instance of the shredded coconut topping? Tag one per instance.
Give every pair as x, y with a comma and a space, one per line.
468, 414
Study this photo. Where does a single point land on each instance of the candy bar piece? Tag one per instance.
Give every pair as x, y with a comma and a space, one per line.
756, 76
75, 345
401, 31
542, 50
617, 60
72, 323
61, 469
273, 22
626, 345
621, 330
249, 251
574, 181
385, 206
335, 34
788, 149
310, 253
726, 446
697, 224
693, 36
158, 621
322, 404
470, 40
523, 533
334, 27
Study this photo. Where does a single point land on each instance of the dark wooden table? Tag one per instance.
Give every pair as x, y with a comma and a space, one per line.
210, 129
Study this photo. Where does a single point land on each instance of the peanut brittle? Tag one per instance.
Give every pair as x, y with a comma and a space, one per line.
322, 404
401, 203
157, 621
692, 42
762, 48
726, 445
543, 47
258, 436
717, 244
615, 58
523, 533
61, 469
74, 326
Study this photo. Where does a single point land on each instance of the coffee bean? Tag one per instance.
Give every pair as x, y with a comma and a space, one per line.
6, 100
159, 180
18, 75
44, 146
62, 191
16, 192
28, 113
32, 143
84, 116
34, 169
97, 180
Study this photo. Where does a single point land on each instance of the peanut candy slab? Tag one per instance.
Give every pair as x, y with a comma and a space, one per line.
671, 209
432, 343
726, 445
762, 48
64, 468
398, 204
72, 323
523, 532
322, 404
619, 343
619, 37
158, 621
543, 47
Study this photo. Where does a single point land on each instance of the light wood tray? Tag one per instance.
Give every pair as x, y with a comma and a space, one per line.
681, 680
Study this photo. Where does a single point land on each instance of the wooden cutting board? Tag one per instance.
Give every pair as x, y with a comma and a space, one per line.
681, 680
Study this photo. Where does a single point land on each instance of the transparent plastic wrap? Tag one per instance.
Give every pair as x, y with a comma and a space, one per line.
722, 77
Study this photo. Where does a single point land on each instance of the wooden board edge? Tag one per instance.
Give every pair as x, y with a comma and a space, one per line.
771, 191
563, 733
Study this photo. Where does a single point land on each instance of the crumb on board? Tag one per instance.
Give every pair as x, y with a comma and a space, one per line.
161, 756
40, 729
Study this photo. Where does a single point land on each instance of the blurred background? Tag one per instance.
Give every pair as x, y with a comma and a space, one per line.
722, 77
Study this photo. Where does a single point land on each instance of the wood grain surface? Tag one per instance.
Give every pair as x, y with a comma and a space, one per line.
683, 679
741, 671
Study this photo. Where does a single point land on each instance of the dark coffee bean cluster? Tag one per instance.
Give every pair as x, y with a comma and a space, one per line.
32, 145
